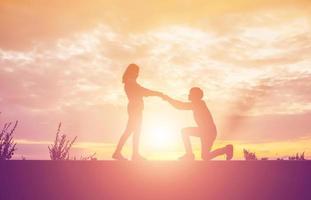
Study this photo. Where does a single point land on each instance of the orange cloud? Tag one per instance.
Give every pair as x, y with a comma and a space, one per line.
251, 58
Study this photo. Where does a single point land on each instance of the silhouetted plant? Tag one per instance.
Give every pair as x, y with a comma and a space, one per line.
91, 157
61, 147
7, 144
249, 155
297, 157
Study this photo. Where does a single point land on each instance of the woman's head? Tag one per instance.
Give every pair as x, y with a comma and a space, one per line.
131, 73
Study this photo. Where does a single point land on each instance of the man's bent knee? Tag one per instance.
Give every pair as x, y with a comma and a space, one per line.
184, 131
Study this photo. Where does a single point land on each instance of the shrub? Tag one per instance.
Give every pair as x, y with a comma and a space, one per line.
249, 155
90, 157
297, 157
61, 147
7, 144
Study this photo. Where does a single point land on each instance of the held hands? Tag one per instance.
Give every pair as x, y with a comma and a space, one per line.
163, 96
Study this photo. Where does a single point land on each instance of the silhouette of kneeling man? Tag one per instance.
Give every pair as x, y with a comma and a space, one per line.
206, 129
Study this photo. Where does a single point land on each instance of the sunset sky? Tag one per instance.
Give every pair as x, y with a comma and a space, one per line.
63, 62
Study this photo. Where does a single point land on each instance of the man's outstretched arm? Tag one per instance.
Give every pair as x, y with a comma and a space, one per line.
178, 104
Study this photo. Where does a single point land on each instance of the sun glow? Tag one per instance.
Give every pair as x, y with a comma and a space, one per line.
161, 142
161, 135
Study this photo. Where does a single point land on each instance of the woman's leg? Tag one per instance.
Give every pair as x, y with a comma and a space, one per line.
136, 135
123, 139
127, 132
136, 139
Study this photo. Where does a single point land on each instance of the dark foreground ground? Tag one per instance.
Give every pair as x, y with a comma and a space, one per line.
91, 180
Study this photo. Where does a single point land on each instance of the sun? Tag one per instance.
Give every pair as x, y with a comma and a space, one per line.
161, 136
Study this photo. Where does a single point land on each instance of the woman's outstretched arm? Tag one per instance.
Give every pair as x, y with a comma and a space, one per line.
146, 92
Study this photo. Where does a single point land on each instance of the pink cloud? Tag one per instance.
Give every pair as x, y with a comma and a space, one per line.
71, 73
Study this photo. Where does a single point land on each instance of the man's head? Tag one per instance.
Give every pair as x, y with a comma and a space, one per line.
195, 94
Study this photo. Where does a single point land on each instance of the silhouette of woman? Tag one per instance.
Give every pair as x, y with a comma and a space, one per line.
135, 94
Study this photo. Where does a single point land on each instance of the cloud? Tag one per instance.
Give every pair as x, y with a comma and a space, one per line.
27, 23
253, 67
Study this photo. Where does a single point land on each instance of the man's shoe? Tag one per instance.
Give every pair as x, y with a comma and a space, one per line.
229, 152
